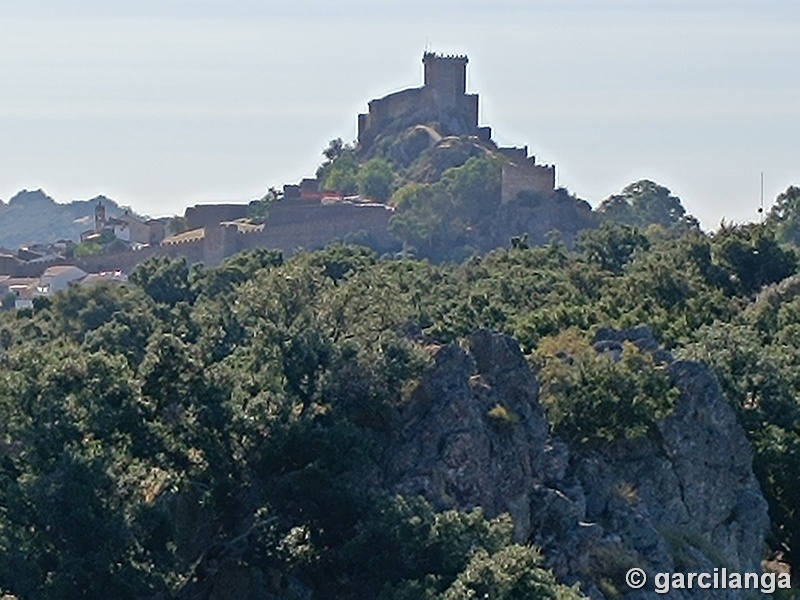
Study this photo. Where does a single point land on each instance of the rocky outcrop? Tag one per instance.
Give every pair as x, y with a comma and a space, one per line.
474, 434
536, 215
447, 153
424, 153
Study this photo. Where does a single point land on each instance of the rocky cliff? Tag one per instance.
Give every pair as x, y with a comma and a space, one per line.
684, 498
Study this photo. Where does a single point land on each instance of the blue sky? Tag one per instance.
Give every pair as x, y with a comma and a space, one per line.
164, 104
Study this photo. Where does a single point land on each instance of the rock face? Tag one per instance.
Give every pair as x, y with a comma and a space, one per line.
475, 435
538, 215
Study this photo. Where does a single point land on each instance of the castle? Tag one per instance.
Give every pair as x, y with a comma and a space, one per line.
307, 216
442, 100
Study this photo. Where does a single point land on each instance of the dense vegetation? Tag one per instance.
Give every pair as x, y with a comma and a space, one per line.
204, 429
206, 426
447, 195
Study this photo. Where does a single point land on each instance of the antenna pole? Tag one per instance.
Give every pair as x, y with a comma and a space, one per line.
761, 207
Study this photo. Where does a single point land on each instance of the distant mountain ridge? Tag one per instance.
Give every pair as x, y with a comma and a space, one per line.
32, 217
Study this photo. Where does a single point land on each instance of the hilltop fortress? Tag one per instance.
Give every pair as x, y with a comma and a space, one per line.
438, 120
444, 104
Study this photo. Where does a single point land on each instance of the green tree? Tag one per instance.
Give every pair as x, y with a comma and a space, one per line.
258, 210
375, 179
475, 186
784, 216
88, 249
596, 398
209, 423
512, 573
448, 219
164, 279
65, 480
334, 150
756, 357
422, 219
611, 246
646, 203
752, 257
342, 175
9, 301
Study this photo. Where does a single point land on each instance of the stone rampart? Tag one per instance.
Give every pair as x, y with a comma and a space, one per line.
291, 225
209, 215
526, 177
311, 225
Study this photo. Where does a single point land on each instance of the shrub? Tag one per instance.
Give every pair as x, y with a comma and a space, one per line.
595, 398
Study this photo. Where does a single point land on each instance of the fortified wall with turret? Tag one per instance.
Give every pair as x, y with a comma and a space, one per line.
442, 100
522, 174
308, 217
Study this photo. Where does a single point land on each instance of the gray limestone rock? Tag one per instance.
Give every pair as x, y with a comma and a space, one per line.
475, 434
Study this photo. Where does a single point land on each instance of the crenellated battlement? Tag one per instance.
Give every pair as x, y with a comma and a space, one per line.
435, 56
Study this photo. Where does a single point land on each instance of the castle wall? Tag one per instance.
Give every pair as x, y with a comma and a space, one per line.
390, 107
363, 123
157, 231
291, 191
395, 105
127, 261
516, 154
309, 187
123, 261
469, 108
219, 243
311, 225
526, 177
207, 215
139, 232
291, 225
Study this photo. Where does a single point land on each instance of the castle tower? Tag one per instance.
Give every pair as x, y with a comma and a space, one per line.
442, 101
99, 216
446, 75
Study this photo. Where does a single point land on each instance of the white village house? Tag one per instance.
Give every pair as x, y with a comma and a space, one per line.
58, 278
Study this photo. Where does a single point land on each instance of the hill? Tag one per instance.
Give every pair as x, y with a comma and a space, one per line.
32, 217
455, 191
339, 425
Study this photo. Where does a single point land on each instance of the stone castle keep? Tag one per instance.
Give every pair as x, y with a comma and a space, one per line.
442, 100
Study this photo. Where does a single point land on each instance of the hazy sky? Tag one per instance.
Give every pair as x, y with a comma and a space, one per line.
163, 104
